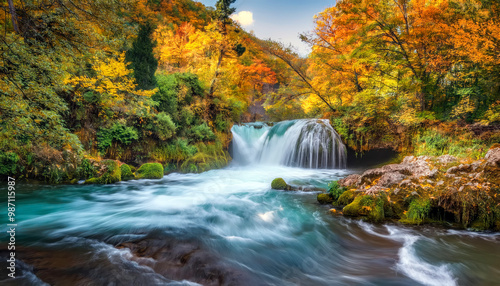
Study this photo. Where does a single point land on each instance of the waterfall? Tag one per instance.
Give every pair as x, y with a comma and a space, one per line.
307, 143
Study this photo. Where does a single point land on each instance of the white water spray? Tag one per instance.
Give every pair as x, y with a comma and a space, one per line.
307, 143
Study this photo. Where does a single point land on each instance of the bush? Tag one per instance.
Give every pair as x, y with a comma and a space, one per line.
335, 190
164, 126
116, 133
201, 133
86, 170
8, 163
150, 171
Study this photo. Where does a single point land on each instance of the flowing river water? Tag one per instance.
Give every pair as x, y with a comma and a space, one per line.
227, 227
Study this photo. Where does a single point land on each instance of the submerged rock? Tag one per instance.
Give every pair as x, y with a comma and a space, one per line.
279, 184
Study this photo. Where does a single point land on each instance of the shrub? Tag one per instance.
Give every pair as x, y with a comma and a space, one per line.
116, 133
86, 170
164, 126
9, 163
335, 190
201, 133
150, 171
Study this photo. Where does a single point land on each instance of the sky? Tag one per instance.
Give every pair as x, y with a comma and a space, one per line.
281, 20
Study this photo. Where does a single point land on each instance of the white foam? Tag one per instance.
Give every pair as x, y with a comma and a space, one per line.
417, 269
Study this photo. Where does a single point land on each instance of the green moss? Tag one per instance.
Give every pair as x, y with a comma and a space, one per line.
126, 172
324, 199
346, 198
112, 173
86, 170
92, 181
417, 212
74, 181
371, 207
150, 171
377, 213
279, 184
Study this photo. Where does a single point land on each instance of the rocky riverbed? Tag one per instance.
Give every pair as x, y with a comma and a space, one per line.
460, 193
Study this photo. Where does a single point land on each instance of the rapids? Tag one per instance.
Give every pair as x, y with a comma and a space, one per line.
227, 227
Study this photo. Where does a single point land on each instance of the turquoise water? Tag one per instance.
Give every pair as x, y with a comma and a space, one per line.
228, 227
271, 237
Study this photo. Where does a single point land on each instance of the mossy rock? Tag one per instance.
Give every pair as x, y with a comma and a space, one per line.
324, 199
279, 184
113, 173
74, 181
370, 207
92, 181
150, 171
346, 198
126, 172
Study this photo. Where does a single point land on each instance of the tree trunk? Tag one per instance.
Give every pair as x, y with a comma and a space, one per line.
13, 16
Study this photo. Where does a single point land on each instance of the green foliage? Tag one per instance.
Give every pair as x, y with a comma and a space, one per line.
86, 170
112, 173
279, 184
176, 151
116, 133
201, 133
418, 211
9, 163
207, 157
150, 171
164, 126
346, 198
126, 172
142, 59
464, 144
335, 190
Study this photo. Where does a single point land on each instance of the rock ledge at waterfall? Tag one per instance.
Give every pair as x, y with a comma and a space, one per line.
454, 192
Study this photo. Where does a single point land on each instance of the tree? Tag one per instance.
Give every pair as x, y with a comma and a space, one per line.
222, 13
142, 60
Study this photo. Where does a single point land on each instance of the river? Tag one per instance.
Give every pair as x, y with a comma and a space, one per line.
229, 227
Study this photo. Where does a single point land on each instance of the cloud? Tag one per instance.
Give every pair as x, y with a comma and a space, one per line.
245, 18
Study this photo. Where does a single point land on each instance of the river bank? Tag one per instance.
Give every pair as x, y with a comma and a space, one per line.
459, 193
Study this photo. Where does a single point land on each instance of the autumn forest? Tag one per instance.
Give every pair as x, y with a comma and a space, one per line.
164, 81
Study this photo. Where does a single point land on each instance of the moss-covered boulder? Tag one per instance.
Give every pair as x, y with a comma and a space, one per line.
346, 198
370, 207
126, 172
112, 174
279, 184
92, 181
324, 199
150, 171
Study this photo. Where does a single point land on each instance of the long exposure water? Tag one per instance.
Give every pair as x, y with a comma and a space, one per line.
228, 227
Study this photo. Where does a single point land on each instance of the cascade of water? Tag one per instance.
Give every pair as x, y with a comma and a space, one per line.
308, 143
